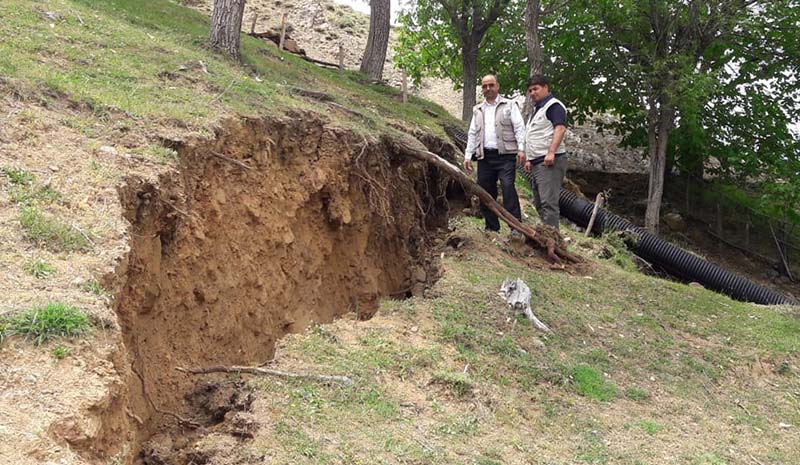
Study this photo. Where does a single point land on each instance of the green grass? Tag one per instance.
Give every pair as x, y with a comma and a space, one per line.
39, 268
45, 231
61, 352
459, 384
95, 288
589, 383
140, 58
51, 321
18, 177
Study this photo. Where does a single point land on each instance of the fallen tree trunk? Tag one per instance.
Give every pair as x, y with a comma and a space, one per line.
543, 239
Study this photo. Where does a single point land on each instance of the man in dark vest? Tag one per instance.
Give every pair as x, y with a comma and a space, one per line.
496, 139
544, 149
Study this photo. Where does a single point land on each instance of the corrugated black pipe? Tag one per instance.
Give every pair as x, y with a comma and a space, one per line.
672, 259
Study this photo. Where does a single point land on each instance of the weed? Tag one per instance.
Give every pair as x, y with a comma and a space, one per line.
95, 288
459, 425
650, 427
163, 155
459, 384
61, 352
50, 321
589, 383
51, 233
18, 177
39, 268
634, 393
5, 326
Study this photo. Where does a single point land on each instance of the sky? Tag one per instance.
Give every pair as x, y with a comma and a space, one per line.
363, 6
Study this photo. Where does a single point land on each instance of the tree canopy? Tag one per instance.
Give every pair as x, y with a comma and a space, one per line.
691, 80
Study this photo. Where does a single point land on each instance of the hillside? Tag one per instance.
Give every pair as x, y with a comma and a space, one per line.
165, 208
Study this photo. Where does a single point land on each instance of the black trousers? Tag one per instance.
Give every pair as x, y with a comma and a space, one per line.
492, 167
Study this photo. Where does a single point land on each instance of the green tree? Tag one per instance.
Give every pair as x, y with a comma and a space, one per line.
720, 76
443, 38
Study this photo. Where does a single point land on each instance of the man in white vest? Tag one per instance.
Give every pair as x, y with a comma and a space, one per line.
496, 139
544, 149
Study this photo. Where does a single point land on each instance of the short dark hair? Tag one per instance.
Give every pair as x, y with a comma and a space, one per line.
537, 80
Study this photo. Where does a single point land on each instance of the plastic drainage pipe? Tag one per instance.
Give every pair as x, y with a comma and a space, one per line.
674, 260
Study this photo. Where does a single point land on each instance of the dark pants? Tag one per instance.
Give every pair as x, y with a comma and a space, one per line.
492, 167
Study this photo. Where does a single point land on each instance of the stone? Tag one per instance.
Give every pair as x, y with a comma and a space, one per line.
108, 150
419, 274
675, 221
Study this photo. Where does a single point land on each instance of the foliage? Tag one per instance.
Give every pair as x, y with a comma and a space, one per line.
728, 69
446, 38
50, 321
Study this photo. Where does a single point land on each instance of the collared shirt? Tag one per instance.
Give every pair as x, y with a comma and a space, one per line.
489, 132
556, 113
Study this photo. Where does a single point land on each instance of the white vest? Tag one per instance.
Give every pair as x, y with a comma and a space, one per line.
539, 133
503, 127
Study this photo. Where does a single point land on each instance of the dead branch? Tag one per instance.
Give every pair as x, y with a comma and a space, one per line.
781, 253
218, 96
268, 372
548, 242
231, 160
315, 94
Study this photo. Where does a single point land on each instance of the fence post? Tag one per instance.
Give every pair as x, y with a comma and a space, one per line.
283, 32
341, 58
253, 24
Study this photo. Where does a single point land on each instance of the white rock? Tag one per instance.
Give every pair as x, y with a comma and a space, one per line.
108, 150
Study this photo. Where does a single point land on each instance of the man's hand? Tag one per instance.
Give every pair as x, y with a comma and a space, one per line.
549, 159
468, 166
528, 166
520, 158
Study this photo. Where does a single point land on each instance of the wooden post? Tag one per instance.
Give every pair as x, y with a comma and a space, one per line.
719, 224
283, 32
747, 232
598, 204
405, 86
341, 57
253, 24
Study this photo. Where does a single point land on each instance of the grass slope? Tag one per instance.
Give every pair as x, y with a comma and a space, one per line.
639, 371
126, 56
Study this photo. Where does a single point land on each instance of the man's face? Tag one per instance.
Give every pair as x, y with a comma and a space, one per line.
490, 87
538, 92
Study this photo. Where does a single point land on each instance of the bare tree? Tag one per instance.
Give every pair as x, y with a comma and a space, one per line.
378, 39
226, 25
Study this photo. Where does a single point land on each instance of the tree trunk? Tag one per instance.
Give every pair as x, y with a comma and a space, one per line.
660, 125
226, 25
469, 61
378, 39
534, 46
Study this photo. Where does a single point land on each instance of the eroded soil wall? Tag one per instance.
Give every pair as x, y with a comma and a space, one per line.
269, 227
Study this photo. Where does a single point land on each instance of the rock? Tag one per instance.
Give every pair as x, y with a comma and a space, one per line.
695, 284
419, 274
675, 221
108, 150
